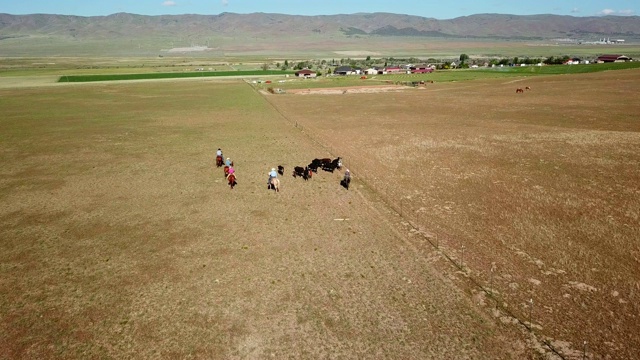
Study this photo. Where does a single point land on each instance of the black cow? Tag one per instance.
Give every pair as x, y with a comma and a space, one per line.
332, 165
315, 164
280, 169
305, 172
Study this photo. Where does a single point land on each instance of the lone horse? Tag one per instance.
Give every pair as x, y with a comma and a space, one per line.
218, 161
275, 184
519, 90
232, 180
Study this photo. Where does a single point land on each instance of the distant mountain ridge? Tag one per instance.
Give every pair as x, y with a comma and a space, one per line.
360, 24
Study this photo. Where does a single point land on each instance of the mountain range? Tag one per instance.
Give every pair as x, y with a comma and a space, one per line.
265, 27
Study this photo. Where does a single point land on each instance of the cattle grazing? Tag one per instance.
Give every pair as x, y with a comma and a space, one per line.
519, 90
315, 164
313, 167
338, 162
527, 88
332, 165
298, 171
304, 173
280, 169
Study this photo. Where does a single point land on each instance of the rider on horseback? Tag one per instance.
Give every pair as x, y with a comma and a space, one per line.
346, 180
228, 162
272, 174
219, 157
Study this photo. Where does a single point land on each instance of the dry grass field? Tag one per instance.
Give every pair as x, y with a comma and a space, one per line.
534, 197
120, 238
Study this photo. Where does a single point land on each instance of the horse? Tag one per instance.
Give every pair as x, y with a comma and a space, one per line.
232, 180
519, 90
280, 169
346, 180
274, 184
218, 161
226, 170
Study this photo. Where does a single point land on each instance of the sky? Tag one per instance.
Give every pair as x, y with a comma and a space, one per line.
425, 8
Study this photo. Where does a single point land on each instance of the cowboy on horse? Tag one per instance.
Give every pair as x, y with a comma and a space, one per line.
272, 174
346, 180
231, 177
219, 157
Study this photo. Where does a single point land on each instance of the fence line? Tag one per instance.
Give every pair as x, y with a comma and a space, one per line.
443, 245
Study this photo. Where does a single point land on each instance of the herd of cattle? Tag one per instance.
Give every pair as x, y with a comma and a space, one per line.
306, 172
325, 164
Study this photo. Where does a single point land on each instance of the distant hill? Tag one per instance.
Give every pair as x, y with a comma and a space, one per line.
482, 25
273, 28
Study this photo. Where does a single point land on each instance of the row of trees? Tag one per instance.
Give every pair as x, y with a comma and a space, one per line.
463, 61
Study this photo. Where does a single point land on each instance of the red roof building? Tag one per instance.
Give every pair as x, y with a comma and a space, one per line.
306, 73
612, 58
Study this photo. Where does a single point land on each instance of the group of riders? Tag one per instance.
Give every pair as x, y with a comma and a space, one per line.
229, 171
273, 174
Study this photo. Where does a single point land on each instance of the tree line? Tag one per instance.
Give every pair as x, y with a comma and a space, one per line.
463, 61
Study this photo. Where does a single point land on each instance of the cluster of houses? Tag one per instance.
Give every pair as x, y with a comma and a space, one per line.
428, 68
599, 60
349, 70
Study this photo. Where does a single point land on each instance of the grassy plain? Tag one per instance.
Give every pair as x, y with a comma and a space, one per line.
533, 196
121, 240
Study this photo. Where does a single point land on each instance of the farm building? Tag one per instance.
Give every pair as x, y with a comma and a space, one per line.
612, 58
393, 70
421, 69
347, 70
573, 61
306, 73
372, 71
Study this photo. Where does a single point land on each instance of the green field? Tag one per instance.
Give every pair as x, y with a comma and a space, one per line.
152, 76
441, 75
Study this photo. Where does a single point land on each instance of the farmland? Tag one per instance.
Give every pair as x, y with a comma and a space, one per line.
480, 223
534, 196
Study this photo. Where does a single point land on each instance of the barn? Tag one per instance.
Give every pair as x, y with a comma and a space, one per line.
421, 69
347, 70
612, 58
306, 73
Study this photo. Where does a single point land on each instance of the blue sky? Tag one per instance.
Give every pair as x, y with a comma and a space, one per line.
426, 8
